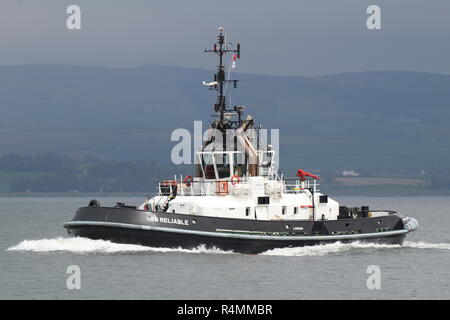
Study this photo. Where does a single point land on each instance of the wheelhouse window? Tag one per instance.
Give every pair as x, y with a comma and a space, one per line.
223, 165
208, 166
240, 164
267, 158
266, 162
216, 165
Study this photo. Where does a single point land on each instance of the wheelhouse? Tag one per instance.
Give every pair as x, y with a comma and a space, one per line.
223, 165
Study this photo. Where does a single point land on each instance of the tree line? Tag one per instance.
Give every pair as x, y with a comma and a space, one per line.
61, 173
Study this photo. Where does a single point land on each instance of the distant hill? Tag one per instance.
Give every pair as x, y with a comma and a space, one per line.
384, 122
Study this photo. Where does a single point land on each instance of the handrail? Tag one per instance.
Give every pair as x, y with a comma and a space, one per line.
208, 186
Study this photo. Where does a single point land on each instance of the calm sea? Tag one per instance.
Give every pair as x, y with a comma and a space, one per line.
35, 254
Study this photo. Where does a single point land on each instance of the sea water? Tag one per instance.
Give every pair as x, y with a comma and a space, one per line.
35, 254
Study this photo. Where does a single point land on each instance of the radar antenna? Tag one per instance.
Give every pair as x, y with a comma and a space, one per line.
221, 48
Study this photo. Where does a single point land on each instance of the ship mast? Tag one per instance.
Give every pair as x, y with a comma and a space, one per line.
219, 84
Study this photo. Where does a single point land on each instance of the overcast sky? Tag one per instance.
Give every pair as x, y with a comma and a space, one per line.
284, 37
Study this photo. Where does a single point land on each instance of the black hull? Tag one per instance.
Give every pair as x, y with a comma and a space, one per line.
174, 240
243, 236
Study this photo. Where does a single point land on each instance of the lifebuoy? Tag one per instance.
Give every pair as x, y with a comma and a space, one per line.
235, 179
187, 181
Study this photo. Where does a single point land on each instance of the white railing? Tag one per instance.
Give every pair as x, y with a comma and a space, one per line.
195, 188
225, 187
298, 186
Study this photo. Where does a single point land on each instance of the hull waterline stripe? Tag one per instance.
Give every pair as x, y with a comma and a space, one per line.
228, 235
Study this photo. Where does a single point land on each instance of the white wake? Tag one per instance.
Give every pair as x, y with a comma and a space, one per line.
425, 245
338, 247
85, 245
89, 246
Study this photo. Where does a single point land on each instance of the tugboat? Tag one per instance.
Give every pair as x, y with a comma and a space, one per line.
237, 200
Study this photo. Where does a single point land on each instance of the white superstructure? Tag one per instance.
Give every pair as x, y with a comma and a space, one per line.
223, 190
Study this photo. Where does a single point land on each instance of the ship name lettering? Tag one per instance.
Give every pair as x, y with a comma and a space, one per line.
174, 221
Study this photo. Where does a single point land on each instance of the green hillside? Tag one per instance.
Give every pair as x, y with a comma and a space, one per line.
382, 123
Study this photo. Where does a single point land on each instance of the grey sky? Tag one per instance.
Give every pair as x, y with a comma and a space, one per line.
289, 37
